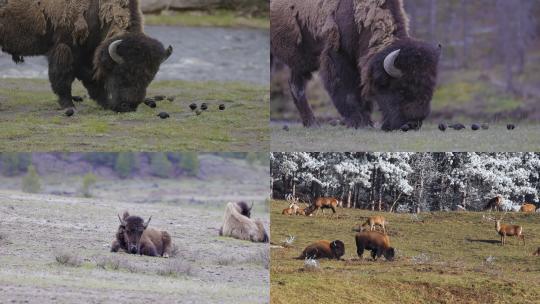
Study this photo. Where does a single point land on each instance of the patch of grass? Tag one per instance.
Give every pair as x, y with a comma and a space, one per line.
30, 120
175, 268
68, 259
214, 18
446, 257
429, 138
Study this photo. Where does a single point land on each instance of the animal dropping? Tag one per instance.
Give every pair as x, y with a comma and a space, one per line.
475, 127
442, 127
159, 97
193, 106
69, 112
163, 115
221, 107
204, 106
510, 126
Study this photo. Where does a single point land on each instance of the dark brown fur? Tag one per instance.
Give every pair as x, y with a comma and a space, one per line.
134, 236
347, 42
378, 243
322, 203
324, 249
494, 203
75, 36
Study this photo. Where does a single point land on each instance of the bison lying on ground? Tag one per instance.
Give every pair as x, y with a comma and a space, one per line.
238, 225
364, 54
134, 236
378, 243
324, 249
100, 42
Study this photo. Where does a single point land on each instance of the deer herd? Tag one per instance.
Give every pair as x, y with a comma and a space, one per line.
378, 242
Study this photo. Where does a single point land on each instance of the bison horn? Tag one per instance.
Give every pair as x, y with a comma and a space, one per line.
113, 52
251, 206
122, 222
147, 222
389, 65
168, 53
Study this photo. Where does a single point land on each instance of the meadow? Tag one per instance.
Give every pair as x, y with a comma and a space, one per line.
441, 257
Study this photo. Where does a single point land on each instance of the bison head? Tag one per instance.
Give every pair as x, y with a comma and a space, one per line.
338, 248
244, 209
125, 67
401, 80
133, 228
389, 254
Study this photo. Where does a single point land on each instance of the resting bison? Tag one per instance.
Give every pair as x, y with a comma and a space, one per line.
378, 243
239, 226
134, 236
100, 42
364, 54
494, 203
322, 203
324, 249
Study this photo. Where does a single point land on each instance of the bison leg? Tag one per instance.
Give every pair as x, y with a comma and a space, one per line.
148, 249
167, 244
342, 81
359, 250
61, 74
115, 246
297, 84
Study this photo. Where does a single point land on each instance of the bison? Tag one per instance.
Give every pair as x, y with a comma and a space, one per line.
240, 226
134, 236
494, 203
99, 42
378, 243
322, 203
527, 208
324, 249
364, 55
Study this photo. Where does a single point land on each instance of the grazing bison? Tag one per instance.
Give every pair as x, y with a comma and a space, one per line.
134, 236
378, 243
364, 54
527, 208
494, 203
322, 203
324, 249
99, 42
239, 226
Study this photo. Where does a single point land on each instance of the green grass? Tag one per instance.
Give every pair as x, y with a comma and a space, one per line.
429, 138
216, 18
441, 258
30, 120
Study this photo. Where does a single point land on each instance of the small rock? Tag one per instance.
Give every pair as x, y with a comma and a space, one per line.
405, 127
457, 126
204, 106
77, 98
198, 112
286, 127
442, 126
485, 126
69, 112
150, 102
171, 98
193, 106
334, 122
510, 126
159, 97
163, 115
221, 107
475, 127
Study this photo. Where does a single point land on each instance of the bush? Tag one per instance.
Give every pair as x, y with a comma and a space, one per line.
14, 163
31, 183
190, 163
125, 164
89, 180
160, 165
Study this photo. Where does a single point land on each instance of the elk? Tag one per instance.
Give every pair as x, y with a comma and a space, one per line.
376, 220
288, 211
505, 230
527, 208
494, 203
322, 203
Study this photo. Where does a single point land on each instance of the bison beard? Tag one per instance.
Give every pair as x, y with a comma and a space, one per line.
99, 42
364, 54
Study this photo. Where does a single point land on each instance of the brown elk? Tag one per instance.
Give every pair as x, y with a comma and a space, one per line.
322, 203
527, 208
288, 211
505, 230
494, 203
376, 220
324, 249
378, 243
134, 236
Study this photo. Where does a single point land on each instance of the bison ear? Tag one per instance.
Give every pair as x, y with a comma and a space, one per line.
147, 222
168, 53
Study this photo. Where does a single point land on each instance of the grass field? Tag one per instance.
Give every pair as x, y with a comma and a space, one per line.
30, 120
339, 138
442, 257
215, 18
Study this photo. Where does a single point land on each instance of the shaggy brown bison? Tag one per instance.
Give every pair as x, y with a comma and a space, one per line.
494, 203
239, 226
364, 55
527, 208
324, 249
134, 236
322, 203
100, 42
378, 243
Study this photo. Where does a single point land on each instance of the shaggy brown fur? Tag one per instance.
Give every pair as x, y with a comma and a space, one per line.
378, 243
347, 41
494, 203
134, 236
75, 35
322, 203
527, 208
324, 249
240, 226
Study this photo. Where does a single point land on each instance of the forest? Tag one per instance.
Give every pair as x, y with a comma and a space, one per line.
408, 182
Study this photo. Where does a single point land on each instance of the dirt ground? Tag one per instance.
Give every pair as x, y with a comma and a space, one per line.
38, 229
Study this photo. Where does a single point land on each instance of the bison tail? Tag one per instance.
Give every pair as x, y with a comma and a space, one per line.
263, 236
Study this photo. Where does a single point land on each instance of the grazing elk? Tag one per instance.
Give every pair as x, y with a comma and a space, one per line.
378, 243
505, 230
376, 220
239, 226
527, 208
494, 203
324, 249
322, 203
134, 236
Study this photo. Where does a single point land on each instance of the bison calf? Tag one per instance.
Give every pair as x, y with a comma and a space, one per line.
324, 249
378, 243
134, 236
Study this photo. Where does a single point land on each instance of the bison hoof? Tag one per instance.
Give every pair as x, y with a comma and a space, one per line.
166, 255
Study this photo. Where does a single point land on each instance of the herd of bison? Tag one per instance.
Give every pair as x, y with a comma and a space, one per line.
378, 242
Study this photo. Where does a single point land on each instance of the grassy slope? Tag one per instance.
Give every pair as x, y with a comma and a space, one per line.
454, 268
30, 120
218, 18
429, 138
